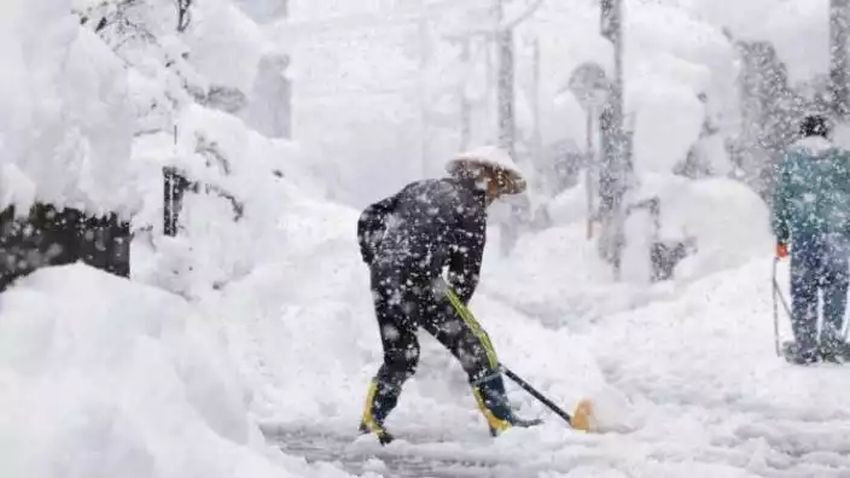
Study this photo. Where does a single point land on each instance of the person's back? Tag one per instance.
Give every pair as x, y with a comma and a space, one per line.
811, 213
431, 219
813, 192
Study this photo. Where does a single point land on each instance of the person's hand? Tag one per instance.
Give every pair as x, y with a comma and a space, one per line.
781, 250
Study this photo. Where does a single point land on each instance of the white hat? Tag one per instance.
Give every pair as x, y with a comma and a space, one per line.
491, 157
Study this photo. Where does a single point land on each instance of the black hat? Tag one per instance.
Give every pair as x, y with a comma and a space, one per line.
815, 125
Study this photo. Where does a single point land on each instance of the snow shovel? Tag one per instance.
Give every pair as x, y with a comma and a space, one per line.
579, 420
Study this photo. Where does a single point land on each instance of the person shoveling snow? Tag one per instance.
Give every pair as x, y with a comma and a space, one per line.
407, 240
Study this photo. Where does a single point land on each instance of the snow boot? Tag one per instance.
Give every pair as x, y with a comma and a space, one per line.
493, 403
374, 413
384, 437
834, 350
795, 354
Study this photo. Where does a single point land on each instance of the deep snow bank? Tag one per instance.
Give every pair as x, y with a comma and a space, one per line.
103, 377
727, 220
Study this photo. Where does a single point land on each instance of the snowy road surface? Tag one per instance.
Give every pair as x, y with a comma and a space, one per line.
415, 458
688, 384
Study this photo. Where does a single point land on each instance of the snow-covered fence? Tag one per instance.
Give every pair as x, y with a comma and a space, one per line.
49, 236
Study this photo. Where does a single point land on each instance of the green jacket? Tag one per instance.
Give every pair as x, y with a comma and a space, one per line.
812, 195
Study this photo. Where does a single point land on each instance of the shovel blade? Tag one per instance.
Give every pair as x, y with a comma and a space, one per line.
582, 418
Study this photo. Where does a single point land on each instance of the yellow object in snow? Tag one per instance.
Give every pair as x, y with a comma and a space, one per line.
582, 418
368, 421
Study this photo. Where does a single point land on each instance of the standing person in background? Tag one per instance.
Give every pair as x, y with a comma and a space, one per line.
811, 221
407, 240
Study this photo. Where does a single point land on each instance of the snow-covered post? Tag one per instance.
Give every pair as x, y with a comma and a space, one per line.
174, 186
838, 36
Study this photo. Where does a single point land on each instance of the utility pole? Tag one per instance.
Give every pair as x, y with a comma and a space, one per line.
465, 107
838, 36
537, 139
616, 166
505, 81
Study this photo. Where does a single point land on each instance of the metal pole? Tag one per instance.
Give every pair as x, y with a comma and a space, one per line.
535, 101
776, 293
423, 86
465, 108
616, 166
588, 171
170, 192
505, 82
838, 36
621, 161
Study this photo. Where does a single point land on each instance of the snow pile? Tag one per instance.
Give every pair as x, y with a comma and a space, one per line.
66, 123
671, 57
724, 241
124, 380
127, 380
234, 221
313, 295
194, 96
226, 45
90, 101
688, 211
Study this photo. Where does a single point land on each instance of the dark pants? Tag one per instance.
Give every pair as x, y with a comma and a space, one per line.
818, 266
405, 301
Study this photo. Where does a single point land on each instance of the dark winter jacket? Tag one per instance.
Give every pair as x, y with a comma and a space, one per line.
812, 195
427, 226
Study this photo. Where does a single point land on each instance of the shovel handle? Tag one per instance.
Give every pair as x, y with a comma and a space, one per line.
539, 396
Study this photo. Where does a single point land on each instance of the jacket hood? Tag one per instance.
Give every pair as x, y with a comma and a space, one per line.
814, 145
